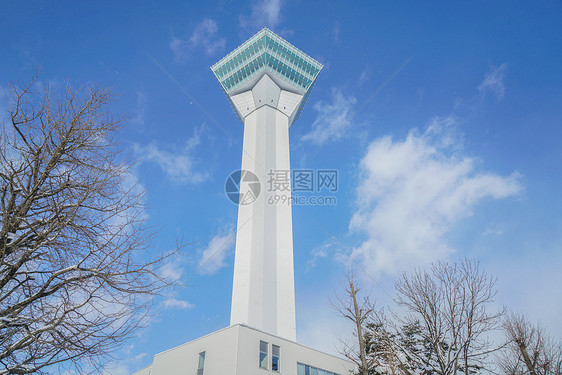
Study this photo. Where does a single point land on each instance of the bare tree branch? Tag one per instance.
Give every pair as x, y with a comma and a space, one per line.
75, 277
358, 310
529, 349
449, 304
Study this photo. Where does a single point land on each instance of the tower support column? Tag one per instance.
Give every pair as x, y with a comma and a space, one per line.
263, 292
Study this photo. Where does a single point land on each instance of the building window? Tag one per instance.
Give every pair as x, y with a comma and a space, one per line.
275, 358
263, 354
201, 363
303, 369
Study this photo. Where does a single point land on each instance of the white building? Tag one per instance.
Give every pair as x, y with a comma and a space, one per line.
267, 82
241, 350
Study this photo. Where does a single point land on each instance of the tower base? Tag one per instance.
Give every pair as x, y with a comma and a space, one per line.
241, 350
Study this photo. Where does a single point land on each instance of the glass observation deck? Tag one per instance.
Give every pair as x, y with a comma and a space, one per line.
266, 52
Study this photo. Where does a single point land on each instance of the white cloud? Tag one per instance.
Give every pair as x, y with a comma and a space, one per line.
5, 103
116, 368
318, 253
264, 13
213, 258
412, 192
171, 271
336, 31
138, 118
365, 76
177, 164
332, 120
493, 82
173, 303
204, 36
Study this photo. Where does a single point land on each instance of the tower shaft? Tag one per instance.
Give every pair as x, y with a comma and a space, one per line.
263, 293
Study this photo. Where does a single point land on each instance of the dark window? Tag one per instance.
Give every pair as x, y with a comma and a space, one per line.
303, 369
275, 358
201, 363
263, 354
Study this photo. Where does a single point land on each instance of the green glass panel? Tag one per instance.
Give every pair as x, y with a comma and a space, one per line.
267, 51
254, 66
271, 59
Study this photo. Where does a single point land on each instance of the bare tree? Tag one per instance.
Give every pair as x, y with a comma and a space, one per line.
449, 305
75, 281
359, 311
530, 350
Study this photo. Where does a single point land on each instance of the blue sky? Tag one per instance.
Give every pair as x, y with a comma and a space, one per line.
443, 121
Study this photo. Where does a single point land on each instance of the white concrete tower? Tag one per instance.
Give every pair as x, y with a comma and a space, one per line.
267, 82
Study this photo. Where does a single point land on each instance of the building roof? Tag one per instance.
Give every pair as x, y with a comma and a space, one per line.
267, 53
